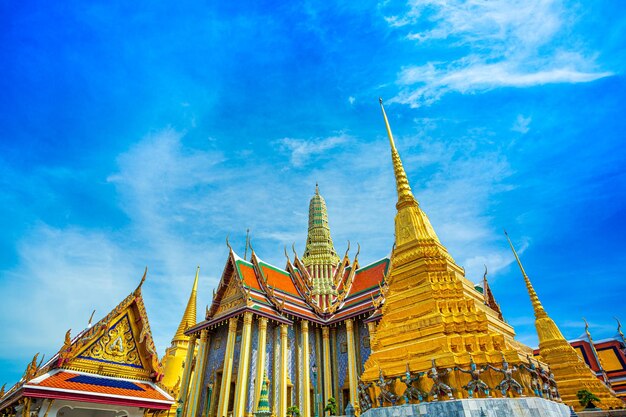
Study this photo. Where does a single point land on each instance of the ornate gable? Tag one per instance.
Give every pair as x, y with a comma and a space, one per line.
118, 345
231, 293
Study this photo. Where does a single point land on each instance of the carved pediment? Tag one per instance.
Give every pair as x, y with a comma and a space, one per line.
116, 346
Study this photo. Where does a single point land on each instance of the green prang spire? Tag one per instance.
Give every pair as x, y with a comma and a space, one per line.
320, 256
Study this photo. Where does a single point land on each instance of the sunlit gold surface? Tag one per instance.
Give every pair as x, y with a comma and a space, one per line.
431, 311
570, 370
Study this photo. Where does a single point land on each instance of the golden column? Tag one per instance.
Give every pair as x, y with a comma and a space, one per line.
306, 380
352, 374
194, 395
328, 385
260, 361
244, 366
227, 370
282, 395
184, 386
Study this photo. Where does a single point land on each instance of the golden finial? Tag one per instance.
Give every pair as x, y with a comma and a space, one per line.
228, 244
317, 189
143, 279
358, 250
68, 339
91, 319
245, 253
2, 390
405, 195
293, 248
619, 330
286, 255
537, 307
595, 354
347, 250
189, 316
485, 286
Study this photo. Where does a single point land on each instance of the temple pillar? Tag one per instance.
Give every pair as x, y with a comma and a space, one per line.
244, 366
282, 395
260, 362
184, 386
195, 394
328, 383
352, 372
306, 394
227, 369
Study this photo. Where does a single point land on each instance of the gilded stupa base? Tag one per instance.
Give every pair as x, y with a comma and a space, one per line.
573, 375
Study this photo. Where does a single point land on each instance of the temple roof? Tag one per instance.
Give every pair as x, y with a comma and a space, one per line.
119, 347
281, 295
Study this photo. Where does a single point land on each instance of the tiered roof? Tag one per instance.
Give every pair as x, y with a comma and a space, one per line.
284, 295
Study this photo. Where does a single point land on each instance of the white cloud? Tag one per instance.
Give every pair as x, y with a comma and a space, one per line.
303, 150
60, 279
351, 100
522, 124
498, 43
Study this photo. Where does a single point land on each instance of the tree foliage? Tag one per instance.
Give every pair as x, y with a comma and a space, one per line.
587, 398
331, 406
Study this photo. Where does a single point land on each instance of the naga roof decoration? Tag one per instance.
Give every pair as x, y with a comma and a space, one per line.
118, 347
283, 295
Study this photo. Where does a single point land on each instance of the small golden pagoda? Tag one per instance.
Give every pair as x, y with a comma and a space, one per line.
570, 370
431, 310
173, 361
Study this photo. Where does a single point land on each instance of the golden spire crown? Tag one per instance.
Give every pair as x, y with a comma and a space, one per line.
405, 195
189, 317
537, 307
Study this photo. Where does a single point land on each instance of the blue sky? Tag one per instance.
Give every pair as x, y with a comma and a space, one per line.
143, 134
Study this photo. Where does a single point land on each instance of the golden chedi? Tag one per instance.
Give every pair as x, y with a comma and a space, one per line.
431, 310
175, 355
570, 370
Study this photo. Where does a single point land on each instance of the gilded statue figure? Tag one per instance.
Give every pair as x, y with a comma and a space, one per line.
412, 392
475, 384
386, 389
365, 400
534, 376
438, 385
508, 382
545, 383
554, 390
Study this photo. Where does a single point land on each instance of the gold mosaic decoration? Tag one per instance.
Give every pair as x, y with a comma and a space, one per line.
117, 346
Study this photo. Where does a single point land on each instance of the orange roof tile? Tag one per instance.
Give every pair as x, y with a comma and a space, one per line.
103, 385
368, 277
280, 280
249, 276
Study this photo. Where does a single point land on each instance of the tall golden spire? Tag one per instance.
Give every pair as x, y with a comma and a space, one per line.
539, 311
405, 196
189, 317
570, 371
412, 224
